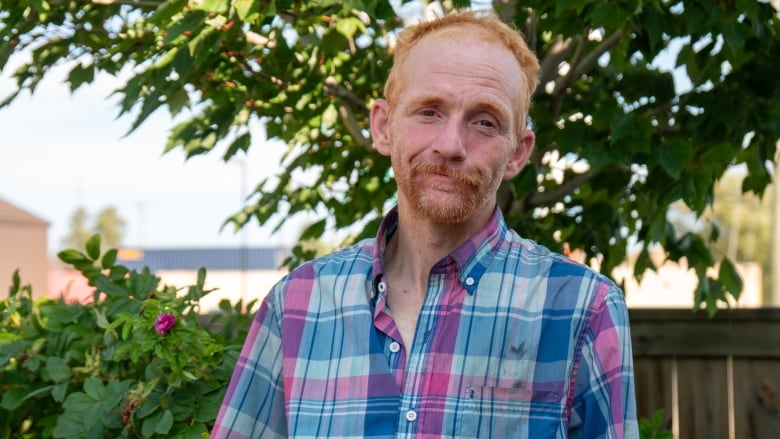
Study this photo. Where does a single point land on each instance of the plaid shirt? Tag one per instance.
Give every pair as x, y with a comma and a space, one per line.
512, 341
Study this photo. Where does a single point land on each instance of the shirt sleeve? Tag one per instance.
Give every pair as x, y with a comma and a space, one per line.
254, 403
604, 402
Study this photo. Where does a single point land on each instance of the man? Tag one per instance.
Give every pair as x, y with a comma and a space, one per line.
448, 324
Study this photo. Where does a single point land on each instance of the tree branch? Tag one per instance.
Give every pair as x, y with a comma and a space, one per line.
539, 152
338, 91
536, 199
563, 83
579, 66
140, 4
549, 65
350, 122
589, 61
530, 29
349, 104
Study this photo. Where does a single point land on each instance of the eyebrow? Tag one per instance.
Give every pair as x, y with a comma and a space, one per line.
425, 101
500, 111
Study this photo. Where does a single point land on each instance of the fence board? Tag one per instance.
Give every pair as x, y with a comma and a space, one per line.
704, 363
757, 398
653, 379
680, 332
703, 400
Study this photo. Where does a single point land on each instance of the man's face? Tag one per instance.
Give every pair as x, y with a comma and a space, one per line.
452, 133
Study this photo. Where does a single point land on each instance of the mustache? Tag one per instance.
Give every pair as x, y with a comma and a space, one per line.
465, 178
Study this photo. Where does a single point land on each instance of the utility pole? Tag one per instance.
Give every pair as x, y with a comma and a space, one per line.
774, 299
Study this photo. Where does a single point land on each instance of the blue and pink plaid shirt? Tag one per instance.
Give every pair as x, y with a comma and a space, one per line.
512, 341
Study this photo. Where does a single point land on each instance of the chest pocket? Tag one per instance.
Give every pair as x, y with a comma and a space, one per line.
500, 412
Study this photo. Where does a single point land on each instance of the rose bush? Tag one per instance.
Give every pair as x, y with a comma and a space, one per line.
137, 361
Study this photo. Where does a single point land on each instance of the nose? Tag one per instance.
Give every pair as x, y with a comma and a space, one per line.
449, 141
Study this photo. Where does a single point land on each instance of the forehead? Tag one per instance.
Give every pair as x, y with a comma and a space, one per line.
462, 63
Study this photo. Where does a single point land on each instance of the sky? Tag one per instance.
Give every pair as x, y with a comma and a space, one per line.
60, 151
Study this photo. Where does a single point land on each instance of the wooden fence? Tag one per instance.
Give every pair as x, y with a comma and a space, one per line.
714, 378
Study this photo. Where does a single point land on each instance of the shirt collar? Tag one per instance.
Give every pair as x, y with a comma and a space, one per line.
472, 257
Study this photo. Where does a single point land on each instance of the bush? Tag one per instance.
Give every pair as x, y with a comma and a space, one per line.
138, 360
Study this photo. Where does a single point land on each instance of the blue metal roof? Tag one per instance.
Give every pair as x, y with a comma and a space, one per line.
212, 259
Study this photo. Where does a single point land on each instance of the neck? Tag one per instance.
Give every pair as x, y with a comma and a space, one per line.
418, 244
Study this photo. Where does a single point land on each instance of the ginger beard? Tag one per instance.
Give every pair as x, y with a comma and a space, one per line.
446, 202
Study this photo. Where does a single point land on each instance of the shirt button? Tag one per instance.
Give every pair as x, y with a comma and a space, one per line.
395, 347
469, 281
382, 287
411, 415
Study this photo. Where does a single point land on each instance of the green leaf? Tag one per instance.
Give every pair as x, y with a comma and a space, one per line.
315, 230
190, 24
59, 391
72, 257
730, 278
673, 155
165, 423
609, 15
80, 75
70, 425
330, 116
349, 26
109, 259
93, 247
112, 289
56, 369
15, 284
564, 6
100, 318
333, 42
166, 11
242, 143
94, 388
215, 6
13, 398
58, 315
246, 9
150, 424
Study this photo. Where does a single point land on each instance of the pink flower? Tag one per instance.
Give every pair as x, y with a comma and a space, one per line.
164, 323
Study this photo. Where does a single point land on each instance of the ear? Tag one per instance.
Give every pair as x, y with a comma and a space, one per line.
380, 126
519, 158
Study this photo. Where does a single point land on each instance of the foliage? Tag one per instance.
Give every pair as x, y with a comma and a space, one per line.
654, 428
107, 223
103, 368
618, 140
746, 224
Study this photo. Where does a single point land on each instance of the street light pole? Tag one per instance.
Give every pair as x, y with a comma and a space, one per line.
775, 292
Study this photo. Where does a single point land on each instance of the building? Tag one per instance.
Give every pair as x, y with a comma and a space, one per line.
23, 241
233, 273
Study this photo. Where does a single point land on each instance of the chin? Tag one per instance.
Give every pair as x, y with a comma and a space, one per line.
445, 211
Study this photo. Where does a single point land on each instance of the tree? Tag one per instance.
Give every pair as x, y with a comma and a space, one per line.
745, 223
618, 141
79, 230
108, 223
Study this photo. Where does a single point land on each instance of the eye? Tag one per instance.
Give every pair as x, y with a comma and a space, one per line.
428, 112
487, 123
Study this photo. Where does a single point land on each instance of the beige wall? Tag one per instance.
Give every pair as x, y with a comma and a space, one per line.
230, 285
23, 247
673, 286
